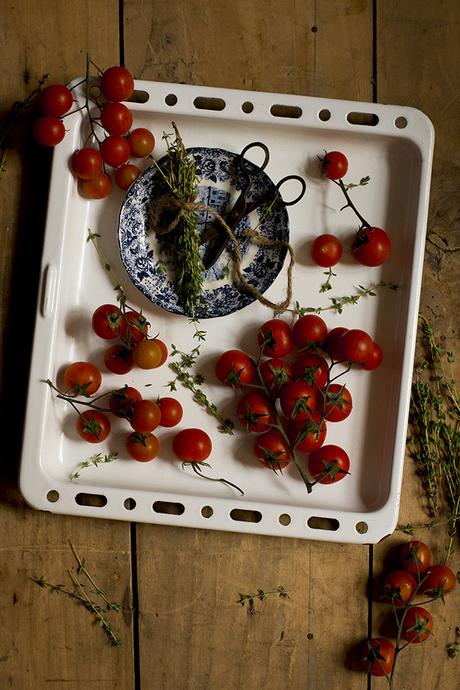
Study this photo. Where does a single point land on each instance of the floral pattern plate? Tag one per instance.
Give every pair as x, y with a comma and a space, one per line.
148, 258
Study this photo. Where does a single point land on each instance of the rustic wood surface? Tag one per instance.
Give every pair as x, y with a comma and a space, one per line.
181, 626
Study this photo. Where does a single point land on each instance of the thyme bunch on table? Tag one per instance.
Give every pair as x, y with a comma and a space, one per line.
434, 441
181, 180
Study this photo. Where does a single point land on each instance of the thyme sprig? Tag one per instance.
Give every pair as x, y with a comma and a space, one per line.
261, 595
79, 594
434, 442
338, 303
93, 461
194, 383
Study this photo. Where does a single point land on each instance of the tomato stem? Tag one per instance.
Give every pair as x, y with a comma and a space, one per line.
350, 204
196, 468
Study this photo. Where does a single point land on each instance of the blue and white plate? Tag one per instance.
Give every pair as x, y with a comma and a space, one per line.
148, 257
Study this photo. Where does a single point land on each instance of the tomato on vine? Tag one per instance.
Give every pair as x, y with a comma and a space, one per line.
86, 163
141, 142
142, 447
334, 165
98, 187
48, 130
122, 400
275, 373
311, 368
118, 359
126, 174
116, 118
275, 337
372, 246
309, 329
82, 378
93, 426
106, 321
146, 416
338, 403
148, 354
114, 150
272, 449
134, 327
117, 83
307, 436
438, 581
399, 586
55, 99
235, 368
255, 412
377, 656
356, 345
415, 556
298, 400
329, 464
192, 445
417, 625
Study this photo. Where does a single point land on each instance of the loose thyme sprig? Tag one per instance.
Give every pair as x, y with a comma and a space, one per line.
93, 461
261, 595
194, 382
338, 303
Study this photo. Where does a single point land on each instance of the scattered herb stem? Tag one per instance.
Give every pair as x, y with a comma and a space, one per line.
338, 303
261, 595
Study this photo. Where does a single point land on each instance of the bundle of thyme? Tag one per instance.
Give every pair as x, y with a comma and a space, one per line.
179, 175
434, 442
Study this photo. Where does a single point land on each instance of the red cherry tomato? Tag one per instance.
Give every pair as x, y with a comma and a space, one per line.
374, 359
328, 464
118, 359
334, 165
117, 83
171, 411
141, 142
377, 656
338, 403
298, 400
134, 327
55, 99
333, 343
255, 412
276, 337
438, 581
93, 426
116, 118
311, 368
48, 130
235, 368
272, 449
126, 174
417, 625
142, 447
82, 378
372, 246
106, 321
309, 329
98, 187
307, 436
399, 586
415, 556
275, 372
356, 345
114, 150
146, 416
147, 354
86, 163
326, 250
121, 401
192, 445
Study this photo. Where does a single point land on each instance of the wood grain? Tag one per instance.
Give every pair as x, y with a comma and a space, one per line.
193, 633
47, 640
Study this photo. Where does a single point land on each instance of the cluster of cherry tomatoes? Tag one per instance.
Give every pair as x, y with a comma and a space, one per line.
414, 577
291, 393
371, 246
116, 142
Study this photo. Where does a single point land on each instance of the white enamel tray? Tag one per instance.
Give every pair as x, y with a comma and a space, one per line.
391, 144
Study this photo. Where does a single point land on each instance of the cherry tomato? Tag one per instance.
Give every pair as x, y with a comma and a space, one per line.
114, 150
255, 412
234, 368
377, 656
146, 416
117, 83
141, 142
309, 329
118, 359
171, 411
417, 625
338, 403
328, 464
164, 351
106, 321
311, 368
275, 372
147, 354
372, 246
86, 163
333, 343
438, 581
272, 449
48, 130
192, 445
126, 174
275, 336
134, 327
82, 378
116, 118
142, 447
399, 586
356, 345
298, 400
121, 401
98, 187
415, 556
334, 165
306, 436
374, 359
93, 426
326, 250
55, 99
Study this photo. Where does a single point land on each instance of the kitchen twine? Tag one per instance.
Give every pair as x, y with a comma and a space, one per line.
190, 205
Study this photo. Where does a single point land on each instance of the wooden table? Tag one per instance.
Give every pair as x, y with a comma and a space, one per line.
181, 626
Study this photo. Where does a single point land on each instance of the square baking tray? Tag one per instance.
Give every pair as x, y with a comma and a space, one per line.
391, 144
